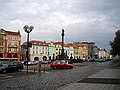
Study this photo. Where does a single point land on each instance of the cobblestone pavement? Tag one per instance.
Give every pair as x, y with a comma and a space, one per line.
50, 80
106, 79
89, 86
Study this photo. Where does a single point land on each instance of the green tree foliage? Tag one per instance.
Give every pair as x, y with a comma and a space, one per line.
115, 44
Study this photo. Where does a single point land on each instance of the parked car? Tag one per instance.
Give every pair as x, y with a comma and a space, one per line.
61, 65
11, 66
20, 66
3, 67
30, 62
108, 59
75, 61
8, 68
46, 62
91, 60
100, 60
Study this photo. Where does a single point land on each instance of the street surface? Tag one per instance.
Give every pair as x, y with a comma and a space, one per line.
51, 79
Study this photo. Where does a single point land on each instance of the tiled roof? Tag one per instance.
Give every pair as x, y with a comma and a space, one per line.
12, 33
68, 45
59, 43
39, 43
75, 46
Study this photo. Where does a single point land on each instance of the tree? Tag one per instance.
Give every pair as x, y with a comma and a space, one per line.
115, 44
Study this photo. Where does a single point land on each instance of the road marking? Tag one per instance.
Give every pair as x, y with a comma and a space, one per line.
5, 77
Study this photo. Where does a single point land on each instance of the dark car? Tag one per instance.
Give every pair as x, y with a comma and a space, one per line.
76, 61
8, 68
18, 65
11, 67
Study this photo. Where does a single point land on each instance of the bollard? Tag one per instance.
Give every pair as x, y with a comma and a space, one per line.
39, 67
34, 70
44, 67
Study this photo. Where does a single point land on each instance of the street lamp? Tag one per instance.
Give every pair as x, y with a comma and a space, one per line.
28, 29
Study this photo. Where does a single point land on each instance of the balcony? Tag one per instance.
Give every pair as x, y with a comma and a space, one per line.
2, 46
12, 46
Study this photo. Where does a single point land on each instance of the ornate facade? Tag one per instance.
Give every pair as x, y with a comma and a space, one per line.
11, 44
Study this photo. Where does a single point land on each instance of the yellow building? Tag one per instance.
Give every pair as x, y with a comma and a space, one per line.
83, 50
76, 51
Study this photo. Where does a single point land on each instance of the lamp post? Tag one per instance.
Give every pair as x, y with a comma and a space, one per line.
28, 29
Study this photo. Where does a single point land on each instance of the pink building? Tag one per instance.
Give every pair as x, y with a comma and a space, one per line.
11, 45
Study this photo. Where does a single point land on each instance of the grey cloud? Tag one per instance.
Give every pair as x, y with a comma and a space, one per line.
82, 19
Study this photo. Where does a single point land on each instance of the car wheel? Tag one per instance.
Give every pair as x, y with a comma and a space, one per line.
53, 67
1, 71
5, 71
17, 70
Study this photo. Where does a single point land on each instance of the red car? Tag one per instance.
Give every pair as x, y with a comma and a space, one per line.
61, 65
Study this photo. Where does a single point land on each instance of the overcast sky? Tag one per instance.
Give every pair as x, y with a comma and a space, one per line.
90, 20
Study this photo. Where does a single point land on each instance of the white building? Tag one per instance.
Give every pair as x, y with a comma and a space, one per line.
101, 53
58, 48
38, 50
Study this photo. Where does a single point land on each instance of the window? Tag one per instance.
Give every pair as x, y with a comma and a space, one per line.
13, 43
1, 49
1, 43
36, 52
33, 47
39, 50
13, 49
36, 47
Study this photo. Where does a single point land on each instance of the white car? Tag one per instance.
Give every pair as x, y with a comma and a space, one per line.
33, 62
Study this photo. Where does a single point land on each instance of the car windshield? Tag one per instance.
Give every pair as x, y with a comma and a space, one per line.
60, 62
4, 62
13, 63
8, 62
